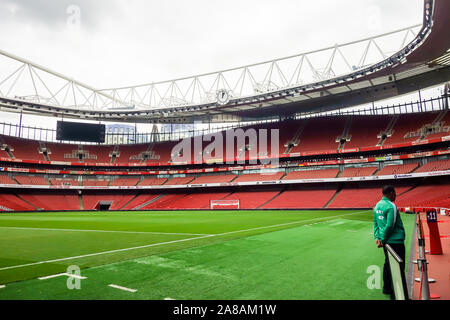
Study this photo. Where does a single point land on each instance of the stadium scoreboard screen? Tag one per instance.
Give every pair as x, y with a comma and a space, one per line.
76, 131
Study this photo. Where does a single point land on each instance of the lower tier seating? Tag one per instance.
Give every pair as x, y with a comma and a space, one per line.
425, 194
293, 199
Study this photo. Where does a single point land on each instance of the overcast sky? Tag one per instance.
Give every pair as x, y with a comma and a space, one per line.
112, 43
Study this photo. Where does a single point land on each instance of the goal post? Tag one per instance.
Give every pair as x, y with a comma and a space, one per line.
224, 204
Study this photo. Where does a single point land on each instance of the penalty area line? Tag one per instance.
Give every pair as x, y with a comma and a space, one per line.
175, 241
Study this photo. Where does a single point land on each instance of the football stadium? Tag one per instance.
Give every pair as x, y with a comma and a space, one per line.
256, 182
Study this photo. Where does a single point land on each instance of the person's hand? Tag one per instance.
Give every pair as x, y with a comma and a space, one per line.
379, 244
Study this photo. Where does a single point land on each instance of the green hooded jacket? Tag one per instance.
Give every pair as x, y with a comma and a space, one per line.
387, 224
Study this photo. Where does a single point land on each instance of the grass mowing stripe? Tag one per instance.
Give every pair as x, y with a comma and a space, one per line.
91, 230
100, 253
176, 241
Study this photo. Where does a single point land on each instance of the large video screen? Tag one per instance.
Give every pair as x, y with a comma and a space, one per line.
76, 131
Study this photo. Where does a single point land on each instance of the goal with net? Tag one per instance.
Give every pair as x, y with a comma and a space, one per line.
224, 204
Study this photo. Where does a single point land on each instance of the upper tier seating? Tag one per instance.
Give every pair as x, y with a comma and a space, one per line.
22, 148
445, 128
320, 134
364, 131
312, 135
409, 123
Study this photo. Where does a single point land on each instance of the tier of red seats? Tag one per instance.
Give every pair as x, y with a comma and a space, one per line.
213, 179
150, 181
31, 180
12, 202
23, 148
47, 201
428, 195
164, 201
439, 165
312, 174
251, 199
199, 200
95, 182
179, 181
318, 134
300, 199
128, 181
4, 179
63, 182
397, 169
90, 201
358, 172
409, 123
360, 197
139, 201
295, 198
259, 177
365, 131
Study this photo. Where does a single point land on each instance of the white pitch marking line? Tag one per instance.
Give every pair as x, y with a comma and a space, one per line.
168, 298
122, 288
174, 241
2, 286
63, 274
113, 231
76, 276
52, 276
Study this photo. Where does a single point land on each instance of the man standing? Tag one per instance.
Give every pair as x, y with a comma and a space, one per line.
388, 229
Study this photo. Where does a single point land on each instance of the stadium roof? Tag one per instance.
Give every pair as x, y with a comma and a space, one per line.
276, 88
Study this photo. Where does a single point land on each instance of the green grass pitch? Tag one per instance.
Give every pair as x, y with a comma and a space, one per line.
191, 254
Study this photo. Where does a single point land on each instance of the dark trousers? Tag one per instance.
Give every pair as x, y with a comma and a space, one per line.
399, 248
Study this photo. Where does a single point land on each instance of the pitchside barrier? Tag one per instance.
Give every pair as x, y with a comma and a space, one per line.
435, 247
397, 275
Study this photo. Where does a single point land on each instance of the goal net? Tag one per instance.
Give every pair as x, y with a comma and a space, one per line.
224, 204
